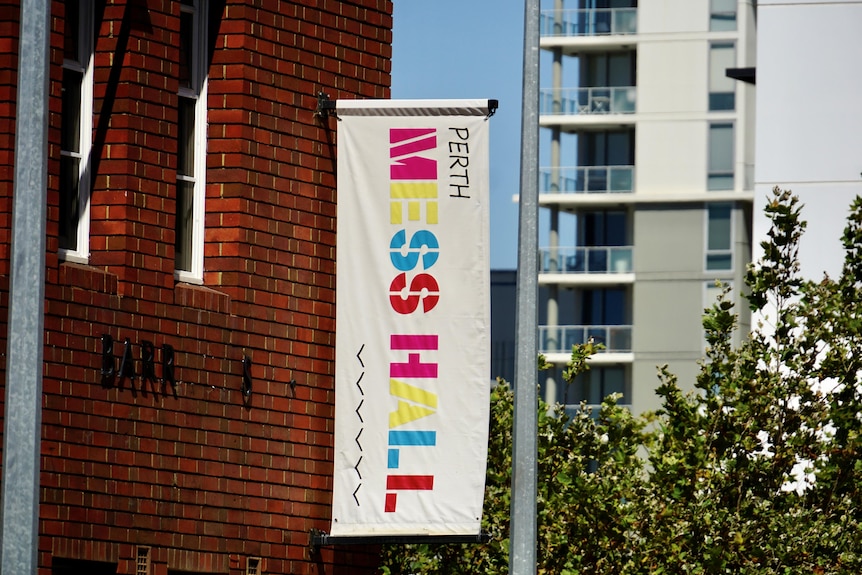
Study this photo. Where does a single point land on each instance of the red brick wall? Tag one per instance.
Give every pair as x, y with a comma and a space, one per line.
203, 476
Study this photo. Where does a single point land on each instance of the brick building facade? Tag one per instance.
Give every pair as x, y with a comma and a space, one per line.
189, 328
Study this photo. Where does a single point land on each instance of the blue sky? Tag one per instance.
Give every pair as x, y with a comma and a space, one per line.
470, 49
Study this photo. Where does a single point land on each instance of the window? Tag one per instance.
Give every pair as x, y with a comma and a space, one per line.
142, 560
598, 232
76, 131
596, 384
606, 161
191, 142
719, 237
720, 175
722, 15
252, 566
722, 55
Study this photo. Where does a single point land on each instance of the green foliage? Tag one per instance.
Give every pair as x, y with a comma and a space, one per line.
757, 472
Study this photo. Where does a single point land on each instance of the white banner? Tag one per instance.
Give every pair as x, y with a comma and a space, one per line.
412, 318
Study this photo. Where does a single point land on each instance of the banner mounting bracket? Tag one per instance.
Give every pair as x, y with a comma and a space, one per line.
325, 106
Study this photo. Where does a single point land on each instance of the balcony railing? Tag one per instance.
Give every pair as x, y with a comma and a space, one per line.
589, 22
586, 260
587, 101
574, 409
561, 338
586, 179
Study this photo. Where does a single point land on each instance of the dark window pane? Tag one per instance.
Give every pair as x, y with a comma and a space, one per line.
722, 22
719, 228
720, 157
71, 38
70, 133
722, 101
597, 180
615, 306
186, 137
598, 260
69, 203
185, 211
616, 229
186, 49
718, 261
722, 15
720, 182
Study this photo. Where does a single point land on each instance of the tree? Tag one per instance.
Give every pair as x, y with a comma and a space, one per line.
759, 471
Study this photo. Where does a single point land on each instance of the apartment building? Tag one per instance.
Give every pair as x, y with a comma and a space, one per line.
187, 414
646, 184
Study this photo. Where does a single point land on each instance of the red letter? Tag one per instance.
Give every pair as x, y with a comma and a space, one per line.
422, 287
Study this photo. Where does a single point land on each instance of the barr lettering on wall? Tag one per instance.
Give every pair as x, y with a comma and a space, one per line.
412, 318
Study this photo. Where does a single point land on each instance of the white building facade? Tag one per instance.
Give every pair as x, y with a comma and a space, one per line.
809, 119
646, 184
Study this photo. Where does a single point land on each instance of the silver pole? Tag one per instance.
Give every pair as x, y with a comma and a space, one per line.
522, 544
23, 410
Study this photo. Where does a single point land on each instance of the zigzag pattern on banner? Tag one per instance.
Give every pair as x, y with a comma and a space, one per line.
362, 421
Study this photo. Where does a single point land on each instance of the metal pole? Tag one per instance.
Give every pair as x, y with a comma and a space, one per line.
522, 543
23, 410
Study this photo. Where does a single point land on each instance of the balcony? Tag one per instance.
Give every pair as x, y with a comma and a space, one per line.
588, 22
587, 101
572, 410
586, 260
560, 339
586, 179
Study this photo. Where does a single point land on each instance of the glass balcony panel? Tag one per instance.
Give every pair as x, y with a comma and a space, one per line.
625, 21
555, 339
549, 339
598, 100
592, 179
575, 262
576, 259
597, 261
598, 334
573, 336
623, 100
620, 179
620, 338
544, 180
601, 22
621, 260
552, 261
597, 179
588, 101
588, 22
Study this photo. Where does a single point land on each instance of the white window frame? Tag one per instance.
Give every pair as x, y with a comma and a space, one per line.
84, 66
198, 93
